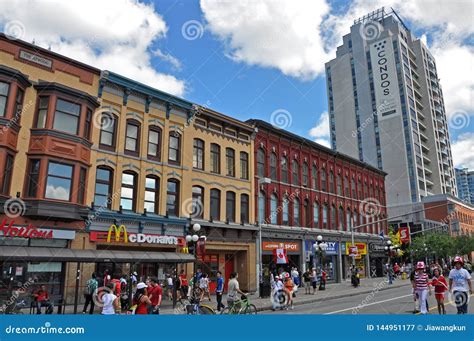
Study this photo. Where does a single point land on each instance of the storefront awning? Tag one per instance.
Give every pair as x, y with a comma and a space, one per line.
41, 254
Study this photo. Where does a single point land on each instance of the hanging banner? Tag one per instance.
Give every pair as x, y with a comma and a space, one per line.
404, 234
281, 257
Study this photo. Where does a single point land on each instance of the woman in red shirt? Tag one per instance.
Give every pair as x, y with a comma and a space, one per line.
141, 299
441, 286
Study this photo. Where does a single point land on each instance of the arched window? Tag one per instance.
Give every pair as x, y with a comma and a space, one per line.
314, 177
152, 194
230, 161
323, 180
132, 137
128, 193
341, 218
331, 182
215, 204
274, 209
174, 148
307, 213
172, 197
316, 215
296, 212
286, 211
154, 143
305, 174
325, 216
349, 224
333, 217
244, 208
261, 163
198, 202
339, 184
230, 206
103, 187
215, 158
273, 166
295, 169
261, 208
198, 154
359, 189
284, 169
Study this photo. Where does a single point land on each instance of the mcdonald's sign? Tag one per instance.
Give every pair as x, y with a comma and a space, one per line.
118, 232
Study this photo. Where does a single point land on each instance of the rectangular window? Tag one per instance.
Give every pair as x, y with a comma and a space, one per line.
174, 148
244, 165
33, 173
132, 137
59, 181
198, 154
18, 104
82, 186
215, 158
128, 191
172, 198
103, 188
108, 128
42, 112
230, 162
152, 185
244, 208
7, 174
230, 206
87, 127
154, 144
4, 89
66, 116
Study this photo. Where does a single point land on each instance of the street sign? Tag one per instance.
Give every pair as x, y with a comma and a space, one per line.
353, 251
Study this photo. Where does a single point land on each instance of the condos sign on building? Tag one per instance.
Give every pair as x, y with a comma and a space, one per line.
385, 78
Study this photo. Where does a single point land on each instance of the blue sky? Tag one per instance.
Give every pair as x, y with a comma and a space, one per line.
248, 59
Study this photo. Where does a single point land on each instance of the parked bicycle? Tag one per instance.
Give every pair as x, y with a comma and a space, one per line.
193, 306
241, 307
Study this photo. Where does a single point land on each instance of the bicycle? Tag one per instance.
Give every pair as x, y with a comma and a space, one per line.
193, 306
241, 307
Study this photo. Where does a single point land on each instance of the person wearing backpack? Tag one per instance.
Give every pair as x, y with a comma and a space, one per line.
91, 286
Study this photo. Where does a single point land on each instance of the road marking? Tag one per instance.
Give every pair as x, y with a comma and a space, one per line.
366, 305
445, 303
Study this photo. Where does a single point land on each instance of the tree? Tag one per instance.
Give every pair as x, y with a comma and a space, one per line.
436, 245
463, 245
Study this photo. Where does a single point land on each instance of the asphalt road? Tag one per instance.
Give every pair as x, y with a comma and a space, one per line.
392, 301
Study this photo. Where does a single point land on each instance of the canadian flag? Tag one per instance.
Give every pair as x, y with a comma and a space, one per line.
280, 255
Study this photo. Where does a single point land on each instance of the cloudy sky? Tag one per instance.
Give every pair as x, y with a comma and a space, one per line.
248, 58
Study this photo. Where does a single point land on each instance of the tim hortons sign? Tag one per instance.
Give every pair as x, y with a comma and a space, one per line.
30, 231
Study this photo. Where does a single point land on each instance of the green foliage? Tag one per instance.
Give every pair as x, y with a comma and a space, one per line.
440, 245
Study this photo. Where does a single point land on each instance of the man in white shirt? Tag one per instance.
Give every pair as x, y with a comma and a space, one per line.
460, 285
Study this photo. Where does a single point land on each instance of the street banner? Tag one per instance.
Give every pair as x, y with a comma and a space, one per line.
281, 257
404, 234
353, 251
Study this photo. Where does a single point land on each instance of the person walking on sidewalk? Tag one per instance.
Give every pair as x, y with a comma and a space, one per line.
141, 299
219, 291
289, 287
440, 285
91, 286
460, 285
155, 293
307, 282
314, 280
109, 300
421, 286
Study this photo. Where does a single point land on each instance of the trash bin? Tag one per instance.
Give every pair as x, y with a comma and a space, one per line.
404, 275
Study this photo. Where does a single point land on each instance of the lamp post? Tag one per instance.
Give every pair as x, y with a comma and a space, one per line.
192, 239
388, 248
320, 246
259, 266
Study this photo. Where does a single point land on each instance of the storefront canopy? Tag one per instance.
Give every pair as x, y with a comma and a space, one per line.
41, 254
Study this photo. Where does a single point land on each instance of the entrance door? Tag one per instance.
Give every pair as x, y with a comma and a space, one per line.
229, 268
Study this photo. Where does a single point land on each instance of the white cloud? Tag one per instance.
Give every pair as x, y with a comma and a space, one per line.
463, 151
320, 133
168, 58
113, 35
278, 34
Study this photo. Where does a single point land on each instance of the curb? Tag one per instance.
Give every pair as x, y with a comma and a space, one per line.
318, 299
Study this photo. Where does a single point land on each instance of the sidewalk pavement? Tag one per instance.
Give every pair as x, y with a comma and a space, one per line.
336, 290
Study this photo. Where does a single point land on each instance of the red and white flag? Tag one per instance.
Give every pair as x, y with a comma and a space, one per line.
281, 257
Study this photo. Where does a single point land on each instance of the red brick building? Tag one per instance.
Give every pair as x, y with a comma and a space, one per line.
304, 189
